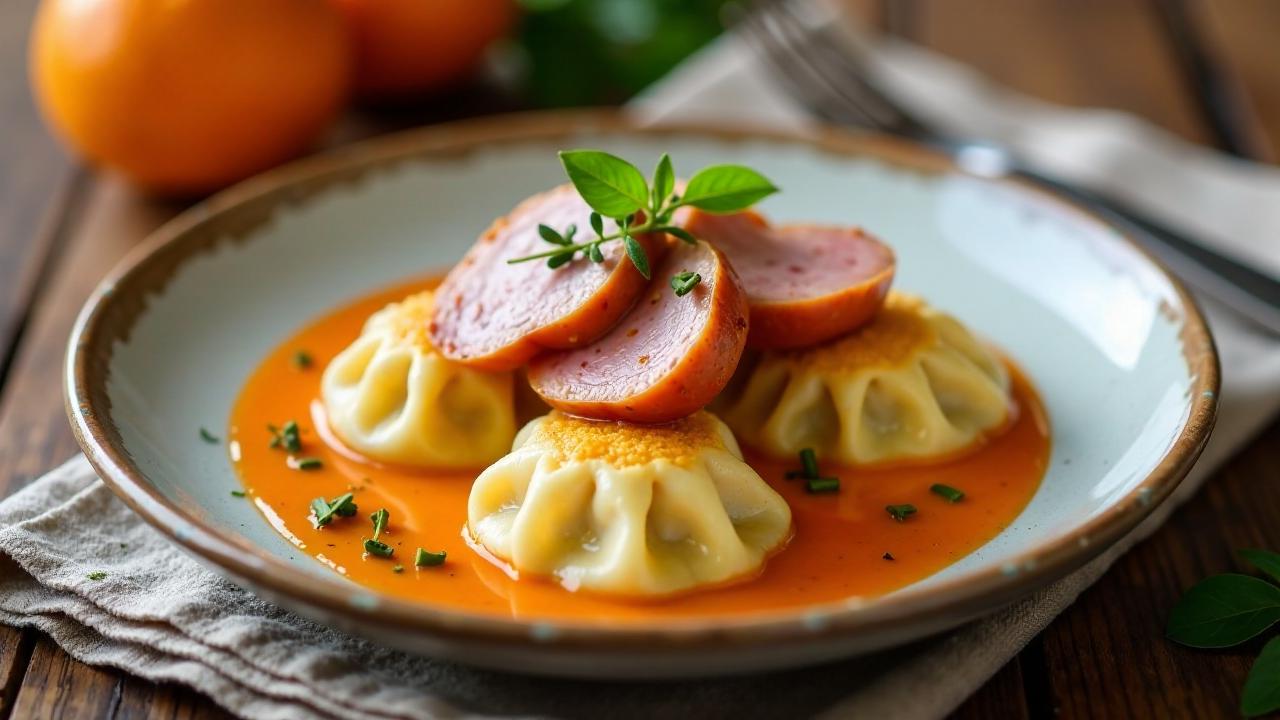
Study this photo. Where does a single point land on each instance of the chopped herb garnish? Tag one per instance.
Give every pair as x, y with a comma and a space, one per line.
209, 437
342, 506
96, 575
887, 556
237, 493
426, 558
822, 485
309, 463
684, 283
379, 519
397, 569
302, 360
947, 492
381, 549
287, 437
809, 461
616, 189
900, 512
795, 475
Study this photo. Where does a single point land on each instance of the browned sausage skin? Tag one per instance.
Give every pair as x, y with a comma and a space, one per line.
666, 359
496, 316
806, 283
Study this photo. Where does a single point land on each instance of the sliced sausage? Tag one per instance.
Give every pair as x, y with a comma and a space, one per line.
667, 358
496, 316
806, 283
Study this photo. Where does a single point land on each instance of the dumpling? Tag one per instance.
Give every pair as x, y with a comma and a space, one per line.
627, 509
914, 384
392, 397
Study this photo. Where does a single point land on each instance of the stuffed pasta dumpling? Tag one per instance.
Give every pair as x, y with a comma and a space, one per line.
627, 509
392, 397
914, 384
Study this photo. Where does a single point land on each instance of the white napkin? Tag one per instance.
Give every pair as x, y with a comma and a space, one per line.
158, 614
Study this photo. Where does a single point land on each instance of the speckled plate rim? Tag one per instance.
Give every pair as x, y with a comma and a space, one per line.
231, 215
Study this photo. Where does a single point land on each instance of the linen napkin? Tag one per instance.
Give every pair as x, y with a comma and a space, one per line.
158, 614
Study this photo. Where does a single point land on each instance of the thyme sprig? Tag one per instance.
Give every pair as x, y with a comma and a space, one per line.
614, 188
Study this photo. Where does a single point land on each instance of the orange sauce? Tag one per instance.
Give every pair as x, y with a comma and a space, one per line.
839, 549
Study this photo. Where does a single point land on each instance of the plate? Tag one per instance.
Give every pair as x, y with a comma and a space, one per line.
1120, 353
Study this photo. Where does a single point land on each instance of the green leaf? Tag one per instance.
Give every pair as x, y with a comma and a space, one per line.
597, 224
595, 254
1224, 610
679, 232
610, 185
549, 234
726, 188
1267, 562
556, 261
638, 257
1262, 688
664, 180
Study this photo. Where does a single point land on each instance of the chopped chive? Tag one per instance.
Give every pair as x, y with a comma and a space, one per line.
379, 519
96, 575
237, 493
381, 549
950, 494
887, 556
684, 283
342, 506
795, 475
397, 569
310, 463
209, 437
809, 460
425, 558
302, 359
822, 485
900, 512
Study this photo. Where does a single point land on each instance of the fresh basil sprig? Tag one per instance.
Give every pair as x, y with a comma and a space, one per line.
616, 189
1229, 609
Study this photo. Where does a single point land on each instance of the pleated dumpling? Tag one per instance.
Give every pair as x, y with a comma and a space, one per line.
627, 509
914, 384
392, 397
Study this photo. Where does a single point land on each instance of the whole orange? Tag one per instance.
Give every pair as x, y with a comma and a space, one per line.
409, 46
185, 96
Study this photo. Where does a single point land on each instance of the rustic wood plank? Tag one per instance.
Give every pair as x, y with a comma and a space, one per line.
1004, 696
141, 700
1241, 34
59, 687
15, 654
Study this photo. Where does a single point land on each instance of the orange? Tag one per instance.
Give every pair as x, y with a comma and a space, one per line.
185, 96
405, 47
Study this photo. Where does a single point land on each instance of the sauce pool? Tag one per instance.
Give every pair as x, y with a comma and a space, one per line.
842, 546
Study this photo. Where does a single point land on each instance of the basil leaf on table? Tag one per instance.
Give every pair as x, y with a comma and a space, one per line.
726, 188
612, 186
1224, 610
1262, 688
1267, 562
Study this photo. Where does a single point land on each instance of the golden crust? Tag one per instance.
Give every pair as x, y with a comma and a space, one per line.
621, 444
898, 331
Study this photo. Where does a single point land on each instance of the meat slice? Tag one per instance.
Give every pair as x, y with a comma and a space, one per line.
805, 283
496, 316
666, 359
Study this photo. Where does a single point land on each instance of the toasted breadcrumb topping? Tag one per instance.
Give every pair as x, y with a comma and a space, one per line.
623, 444
899, 330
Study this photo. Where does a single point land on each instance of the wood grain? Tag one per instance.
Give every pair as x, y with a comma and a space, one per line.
1245, 36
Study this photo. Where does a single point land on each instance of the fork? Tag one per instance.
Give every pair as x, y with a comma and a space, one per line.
826, 74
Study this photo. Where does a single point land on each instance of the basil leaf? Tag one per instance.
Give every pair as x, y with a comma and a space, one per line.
664, 180
1224, 610
1262, 688
726, 188
610, 185
1267, 562
635, 251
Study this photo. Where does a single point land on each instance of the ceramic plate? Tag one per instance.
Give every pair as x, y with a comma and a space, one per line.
1120, 353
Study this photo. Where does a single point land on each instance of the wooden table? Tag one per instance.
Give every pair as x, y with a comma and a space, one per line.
1208, 70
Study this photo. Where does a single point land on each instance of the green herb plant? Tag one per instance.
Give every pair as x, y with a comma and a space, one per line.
614, 188
1226, 610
